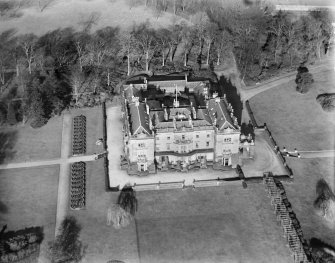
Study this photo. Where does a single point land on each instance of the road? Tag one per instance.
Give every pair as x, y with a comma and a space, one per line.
247, 92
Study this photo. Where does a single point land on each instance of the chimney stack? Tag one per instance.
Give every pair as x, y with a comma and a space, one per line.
165, 115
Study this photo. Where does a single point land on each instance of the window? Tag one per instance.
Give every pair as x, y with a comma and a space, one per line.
208, 135
196, 145
183, 149
168, 137
227, 140
207, 144
183, 137
197, 136
141, 145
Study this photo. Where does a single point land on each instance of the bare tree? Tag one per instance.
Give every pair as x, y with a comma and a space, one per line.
223, 45
175, 39
163, 40
80, 41
211, 30
146, 41
88, 22
7, 41
188, 42
277, 29
43, 4
28, 44
128, 43
200, 21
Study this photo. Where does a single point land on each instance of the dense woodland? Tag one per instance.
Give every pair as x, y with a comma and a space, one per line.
40, 76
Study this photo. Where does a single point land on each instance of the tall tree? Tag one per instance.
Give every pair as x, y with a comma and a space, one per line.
200, 21
146, 41
128, 44
187, 42
7, 41
223, 45
163, 40
175, 39
211, 30
67, 247
277, 29
28, 44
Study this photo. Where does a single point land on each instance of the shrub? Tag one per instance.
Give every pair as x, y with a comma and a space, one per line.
304, 80
38, 122
327, 101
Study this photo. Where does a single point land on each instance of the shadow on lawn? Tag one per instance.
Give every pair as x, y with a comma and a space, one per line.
7, 143
3, 208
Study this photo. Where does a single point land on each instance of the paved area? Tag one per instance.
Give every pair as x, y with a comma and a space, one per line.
265, 159
73, 159
311, 154
64, 172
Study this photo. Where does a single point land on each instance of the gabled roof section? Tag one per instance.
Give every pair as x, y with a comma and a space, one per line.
130, 91
139, 119
203, 114
217, 109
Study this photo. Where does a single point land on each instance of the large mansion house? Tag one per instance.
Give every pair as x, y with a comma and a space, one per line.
171, 122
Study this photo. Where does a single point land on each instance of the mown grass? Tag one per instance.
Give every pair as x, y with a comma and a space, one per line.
298, 121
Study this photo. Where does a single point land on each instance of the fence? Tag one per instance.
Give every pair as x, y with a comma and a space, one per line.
287, 218
159, 186
215, 182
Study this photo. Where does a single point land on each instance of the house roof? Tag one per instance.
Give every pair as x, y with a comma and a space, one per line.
130, 91
139, 119
218, 110
203, 114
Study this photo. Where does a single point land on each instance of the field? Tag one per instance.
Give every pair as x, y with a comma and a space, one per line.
297, 121
23, 143
64, 13
223, 224
216, 224
28, 197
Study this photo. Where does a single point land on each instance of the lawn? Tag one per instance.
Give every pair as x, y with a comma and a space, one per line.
28, 197
94, 127
70, 13
23, 143
298, 121
215, 224
104, 242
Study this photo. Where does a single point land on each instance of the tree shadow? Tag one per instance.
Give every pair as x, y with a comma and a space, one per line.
7, 142
321, 251
226, 87
3, 208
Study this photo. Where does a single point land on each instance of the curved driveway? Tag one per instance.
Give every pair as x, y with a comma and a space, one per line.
247, 92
